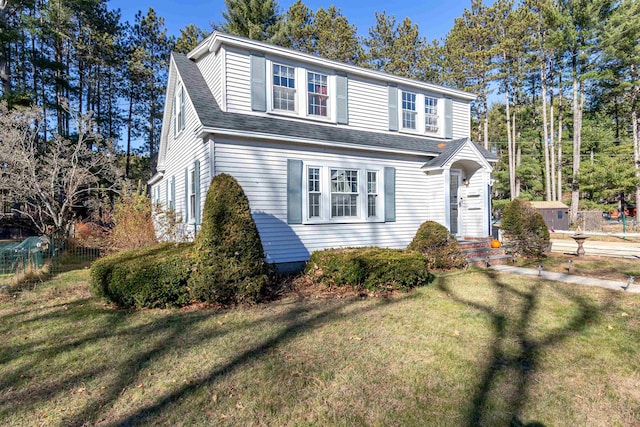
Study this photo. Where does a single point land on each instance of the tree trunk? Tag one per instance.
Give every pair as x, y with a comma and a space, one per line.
560, 98
5, 49
635, 92
518, 150
577, 129
545, 129
552, 150
128, 161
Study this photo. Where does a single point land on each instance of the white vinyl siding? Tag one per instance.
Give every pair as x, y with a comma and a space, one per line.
238, 87
211, 68
461, 119
259, 166
186, 148
368, 108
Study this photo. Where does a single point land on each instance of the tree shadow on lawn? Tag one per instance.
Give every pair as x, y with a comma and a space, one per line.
507, 375
36, 372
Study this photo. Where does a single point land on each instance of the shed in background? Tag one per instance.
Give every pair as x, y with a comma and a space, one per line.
555, 214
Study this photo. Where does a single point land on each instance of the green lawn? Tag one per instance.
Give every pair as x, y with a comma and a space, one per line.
469, 349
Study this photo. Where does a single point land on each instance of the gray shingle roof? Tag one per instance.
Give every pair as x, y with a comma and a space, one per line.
211, 116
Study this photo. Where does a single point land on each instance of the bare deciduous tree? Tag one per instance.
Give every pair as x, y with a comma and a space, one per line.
50, 180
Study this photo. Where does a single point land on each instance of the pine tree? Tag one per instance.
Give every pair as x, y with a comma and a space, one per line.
189, 38
395, 49
254, 19
298, 30
334, 37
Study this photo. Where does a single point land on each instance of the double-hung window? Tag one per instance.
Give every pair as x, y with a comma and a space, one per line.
192, 195
430, 114
317, 94
372, 193
284, 88
344, 193
314, 193
409, 110
178, 111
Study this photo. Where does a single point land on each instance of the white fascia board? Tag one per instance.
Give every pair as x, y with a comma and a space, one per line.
156, 178
201, 48
275, 137
218, 39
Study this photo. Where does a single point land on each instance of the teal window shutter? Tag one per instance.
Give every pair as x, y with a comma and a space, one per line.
448, 118
258, 83
390, 194
166, 194
186, 194
393, 108
342, 111
294, 191
197, 169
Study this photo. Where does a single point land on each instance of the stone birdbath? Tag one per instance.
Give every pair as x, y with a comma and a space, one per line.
579, 238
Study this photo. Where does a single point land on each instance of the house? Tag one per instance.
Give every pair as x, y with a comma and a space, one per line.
328, 154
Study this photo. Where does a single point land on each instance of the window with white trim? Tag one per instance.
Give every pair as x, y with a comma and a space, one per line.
314, 193
178, 111
344, 193
430, 114
284, 88
317, 94
409, 110
372, 194
192, 194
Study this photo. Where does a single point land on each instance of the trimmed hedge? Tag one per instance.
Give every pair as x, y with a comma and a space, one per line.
151, 277
374, 269
438, 246
525, 229
230, 265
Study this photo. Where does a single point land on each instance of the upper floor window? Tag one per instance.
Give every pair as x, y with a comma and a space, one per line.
178, 111
284, 88
317, 94
409, 110
430, 114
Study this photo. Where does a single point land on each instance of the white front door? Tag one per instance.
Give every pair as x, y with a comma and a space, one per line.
454, 202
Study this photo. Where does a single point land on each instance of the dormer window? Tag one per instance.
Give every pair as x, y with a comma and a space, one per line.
430, 114
317, 94
284, 88
409, 110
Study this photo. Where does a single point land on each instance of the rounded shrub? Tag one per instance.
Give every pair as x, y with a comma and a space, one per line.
155, 276
229, 259
525, 229
374, 269
438, 246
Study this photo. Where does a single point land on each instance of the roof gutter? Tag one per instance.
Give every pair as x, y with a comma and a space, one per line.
307, 141
155, 178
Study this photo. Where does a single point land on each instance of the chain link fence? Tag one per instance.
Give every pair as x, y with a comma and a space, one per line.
36, 259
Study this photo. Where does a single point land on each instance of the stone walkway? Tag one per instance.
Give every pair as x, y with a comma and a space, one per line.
570, 278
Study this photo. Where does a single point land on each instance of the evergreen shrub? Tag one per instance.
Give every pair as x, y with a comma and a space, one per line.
373, 269
438, 246
229, 259
524, 229
152, 277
